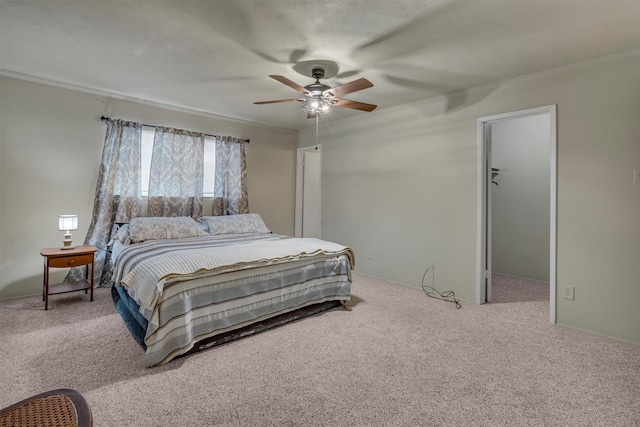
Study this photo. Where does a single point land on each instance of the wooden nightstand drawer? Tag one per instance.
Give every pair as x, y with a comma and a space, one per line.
71, 261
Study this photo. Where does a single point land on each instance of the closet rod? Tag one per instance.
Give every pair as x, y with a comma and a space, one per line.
105, 118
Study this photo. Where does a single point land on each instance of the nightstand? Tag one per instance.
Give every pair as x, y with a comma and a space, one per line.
66, 258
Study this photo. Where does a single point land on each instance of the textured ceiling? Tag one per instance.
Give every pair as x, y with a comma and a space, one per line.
215, 56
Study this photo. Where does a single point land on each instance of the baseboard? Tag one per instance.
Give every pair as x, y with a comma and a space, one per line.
405, 284
598, 334
521, 278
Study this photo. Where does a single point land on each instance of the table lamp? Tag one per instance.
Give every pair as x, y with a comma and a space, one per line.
67, 223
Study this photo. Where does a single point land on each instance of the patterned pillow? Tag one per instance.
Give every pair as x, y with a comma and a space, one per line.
161, 228
235, 224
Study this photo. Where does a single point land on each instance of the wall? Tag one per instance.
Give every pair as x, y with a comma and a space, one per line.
401, 182
50, 147
521, 149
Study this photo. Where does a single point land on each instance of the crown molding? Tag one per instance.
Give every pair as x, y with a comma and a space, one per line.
119, 95
490, 86
432, 100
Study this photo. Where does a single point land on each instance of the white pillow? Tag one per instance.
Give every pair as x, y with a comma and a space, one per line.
122, 235
235, 224
160, 228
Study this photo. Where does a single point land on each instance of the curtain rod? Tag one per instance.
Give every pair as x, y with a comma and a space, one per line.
105, 118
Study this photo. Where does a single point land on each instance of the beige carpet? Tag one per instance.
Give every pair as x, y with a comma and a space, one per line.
398, 359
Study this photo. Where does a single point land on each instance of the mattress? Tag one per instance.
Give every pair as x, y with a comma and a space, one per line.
175, 295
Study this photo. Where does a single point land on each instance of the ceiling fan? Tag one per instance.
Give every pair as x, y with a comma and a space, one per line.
319, 98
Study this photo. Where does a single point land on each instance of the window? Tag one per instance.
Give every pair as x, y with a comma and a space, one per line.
209, 162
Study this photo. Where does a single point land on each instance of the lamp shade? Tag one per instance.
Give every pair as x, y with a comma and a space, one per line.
67, 222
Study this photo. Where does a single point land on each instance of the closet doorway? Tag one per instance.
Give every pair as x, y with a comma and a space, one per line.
517, 199
308, 190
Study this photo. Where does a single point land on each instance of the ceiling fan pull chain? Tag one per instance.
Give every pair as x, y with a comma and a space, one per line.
317, 124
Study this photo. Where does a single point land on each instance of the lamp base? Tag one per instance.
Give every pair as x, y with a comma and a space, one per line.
67, 242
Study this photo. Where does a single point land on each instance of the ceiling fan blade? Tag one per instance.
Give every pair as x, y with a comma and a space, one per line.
286, 81
350, 87
354, 104
278, 101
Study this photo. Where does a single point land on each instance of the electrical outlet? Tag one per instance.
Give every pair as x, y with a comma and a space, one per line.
569, 292
636, 175
370, 254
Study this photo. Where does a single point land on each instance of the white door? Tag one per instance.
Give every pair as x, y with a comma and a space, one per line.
488, 215
311, 195
308, 190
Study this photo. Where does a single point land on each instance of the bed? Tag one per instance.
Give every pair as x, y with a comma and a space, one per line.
182, 286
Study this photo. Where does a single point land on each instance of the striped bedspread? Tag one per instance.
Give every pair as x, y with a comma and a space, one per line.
190, 289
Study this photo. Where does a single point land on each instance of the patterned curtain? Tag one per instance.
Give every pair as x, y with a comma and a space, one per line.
118, 196
230, 187
175, 182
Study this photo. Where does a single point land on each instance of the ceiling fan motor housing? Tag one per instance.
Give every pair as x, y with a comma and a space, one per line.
317, 88
317, 73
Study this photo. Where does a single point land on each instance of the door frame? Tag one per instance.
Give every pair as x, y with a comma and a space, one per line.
484, 170
300, 187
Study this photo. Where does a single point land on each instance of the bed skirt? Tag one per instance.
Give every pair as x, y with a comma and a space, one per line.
137, 324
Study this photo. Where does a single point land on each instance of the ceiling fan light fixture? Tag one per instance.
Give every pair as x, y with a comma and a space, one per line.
316, 104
